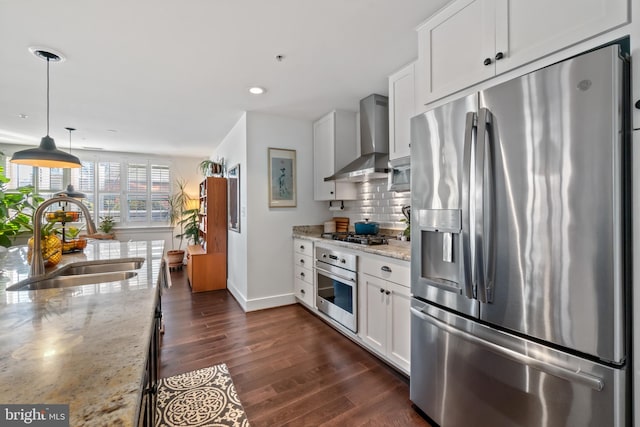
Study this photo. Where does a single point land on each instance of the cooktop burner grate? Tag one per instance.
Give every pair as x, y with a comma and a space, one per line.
362, 239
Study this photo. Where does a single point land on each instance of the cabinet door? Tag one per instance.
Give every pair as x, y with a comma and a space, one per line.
399, 325
401, 108
453, 47
526, 31
374, 329
323, 158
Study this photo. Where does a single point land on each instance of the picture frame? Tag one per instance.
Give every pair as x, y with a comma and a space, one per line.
233, 190
282, 178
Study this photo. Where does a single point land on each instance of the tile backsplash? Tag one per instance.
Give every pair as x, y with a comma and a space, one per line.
378, 204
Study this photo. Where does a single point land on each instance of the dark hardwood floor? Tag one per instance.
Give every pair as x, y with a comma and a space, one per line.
288, 366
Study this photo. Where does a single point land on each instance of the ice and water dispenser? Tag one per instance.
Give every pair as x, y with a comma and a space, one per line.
440, 258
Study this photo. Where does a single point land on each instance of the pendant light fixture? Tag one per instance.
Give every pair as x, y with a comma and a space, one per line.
71, 191
46, 155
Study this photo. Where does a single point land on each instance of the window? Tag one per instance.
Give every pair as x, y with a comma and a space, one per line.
109, 190
49, 181
20, 175
83, 180
133, 192
160, 193
137, 193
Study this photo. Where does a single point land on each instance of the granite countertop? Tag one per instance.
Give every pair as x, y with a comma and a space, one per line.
395, 249
85, 346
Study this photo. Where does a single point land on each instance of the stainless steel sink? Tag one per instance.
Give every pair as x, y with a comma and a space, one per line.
68, 281
83, 273
101, 266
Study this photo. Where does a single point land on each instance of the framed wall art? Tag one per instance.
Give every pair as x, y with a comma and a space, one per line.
282, 178
233, 181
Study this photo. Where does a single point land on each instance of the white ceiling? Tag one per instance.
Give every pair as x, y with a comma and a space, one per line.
171, 76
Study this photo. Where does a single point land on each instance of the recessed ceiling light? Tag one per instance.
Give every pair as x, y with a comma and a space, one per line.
22, 116
257, 90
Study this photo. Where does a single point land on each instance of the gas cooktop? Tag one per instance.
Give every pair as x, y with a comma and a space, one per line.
362, 239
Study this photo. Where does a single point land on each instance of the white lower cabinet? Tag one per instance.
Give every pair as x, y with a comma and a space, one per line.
303, 272
385, 321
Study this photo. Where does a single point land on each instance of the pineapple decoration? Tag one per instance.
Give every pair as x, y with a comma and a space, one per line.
51, 246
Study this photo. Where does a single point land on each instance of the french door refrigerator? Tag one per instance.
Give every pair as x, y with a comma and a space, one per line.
520, 314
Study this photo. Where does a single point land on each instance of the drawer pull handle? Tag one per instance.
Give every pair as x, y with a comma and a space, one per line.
385, 269
301, 261
302, 274
302, 247
302, 291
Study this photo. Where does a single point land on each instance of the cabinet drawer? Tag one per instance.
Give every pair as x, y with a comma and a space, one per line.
304, 292
304, 274
386, 268
304, 247
304, 261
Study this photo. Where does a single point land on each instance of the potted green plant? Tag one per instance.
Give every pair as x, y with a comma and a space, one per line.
106, 224
406, 211
177, 207
190, 224
210, 168
16, 208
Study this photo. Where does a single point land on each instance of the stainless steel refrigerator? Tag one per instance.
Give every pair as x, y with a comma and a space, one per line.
520, 279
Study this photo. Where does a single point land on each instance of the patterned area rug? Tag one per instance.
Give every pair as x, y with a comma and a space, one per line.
206, 397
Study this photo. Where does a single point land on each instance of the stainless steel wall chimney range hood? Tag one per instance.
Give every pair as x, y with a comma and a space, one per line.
374, 143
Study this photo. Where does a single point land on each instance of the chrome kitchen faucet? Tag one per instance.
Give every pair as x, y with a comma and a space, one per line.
37, 263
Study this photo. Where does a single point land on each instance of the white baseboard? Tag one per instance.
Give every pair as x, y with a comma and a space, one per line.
260, 303
270, 302
242, 300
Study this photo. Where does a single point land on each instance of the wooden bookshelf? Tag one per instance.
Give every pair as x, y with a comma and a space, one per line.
207, 262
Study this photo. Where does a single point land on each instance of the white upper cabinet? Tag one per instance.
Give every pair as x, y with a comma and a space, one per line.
526, 30
452, 48
334, 146
473, 40
402, 107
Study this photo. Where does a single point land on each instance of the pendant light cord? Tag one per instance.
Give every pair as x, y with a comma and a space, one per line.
47, 96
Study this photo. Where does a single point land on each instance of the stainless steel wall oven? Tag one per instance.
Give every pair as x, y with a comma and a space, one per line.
336, 279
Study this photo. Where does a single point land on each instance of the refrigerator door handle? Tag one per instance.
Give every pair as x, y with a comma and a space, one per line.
468, 251
573, 375
484, 211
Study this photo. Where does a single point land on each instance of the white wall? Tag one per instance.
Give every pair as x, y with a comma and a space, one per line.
233, 149
260, 257
270, 272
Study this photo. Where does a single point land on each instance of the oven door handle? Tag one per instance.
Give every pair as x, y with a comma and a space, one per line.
334, 276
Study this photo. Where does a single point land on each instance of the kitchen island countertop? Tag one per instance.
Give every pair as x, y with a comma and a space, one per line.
85, 346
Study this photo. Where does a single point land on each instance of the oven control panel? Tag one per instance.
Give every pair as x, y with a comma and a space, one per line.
336, 258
